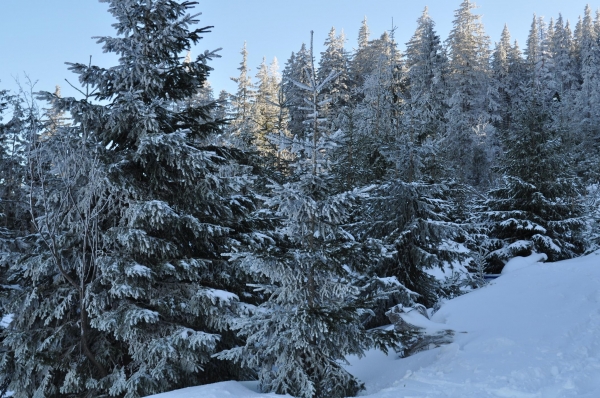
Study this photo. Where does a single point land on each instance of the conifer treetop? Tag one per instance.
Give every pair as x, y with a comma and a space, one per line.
151, 38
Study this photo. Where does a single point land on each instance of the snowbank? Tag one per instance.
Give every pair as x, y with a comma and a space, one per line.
532, 333
519, 262
227, 389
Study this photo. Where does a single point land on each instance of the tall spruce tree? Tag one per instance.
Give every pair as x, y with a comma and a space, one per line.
361, 61
538, 208
124, 291
424, 108
14, 143
587, 114
335, 59
539, 66
468, 117
241, 105
295, 70
565, 75
502, 81
368, 58
314, 315
509, 70
17, 135
265, 110
14, 225
377, 115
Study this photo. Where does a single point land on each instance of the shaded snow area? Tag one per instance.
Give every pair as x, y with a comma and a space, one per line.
533, 332
227, 389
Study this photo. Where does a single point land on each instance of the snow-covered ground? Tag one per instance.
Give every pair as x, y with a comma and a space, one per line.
533, 332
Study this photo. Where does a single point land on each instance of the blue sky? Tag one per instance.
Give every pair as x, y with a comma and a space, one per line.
38, 36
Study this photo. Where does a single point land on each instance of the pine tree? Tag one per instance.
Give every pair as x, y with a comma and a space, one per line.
222, 105
363, 33
14, 143
501, 74
313, 316
368, 59
378, 115
509, 70
55, 117
564, 81
410, 232
468, 118
361, 62
538, 207
533, 53
265, 110
241, 104
539, 66
124, 291
564, 73
587, 114
14, 225
371, 125
424, 108
295, 70
335, 59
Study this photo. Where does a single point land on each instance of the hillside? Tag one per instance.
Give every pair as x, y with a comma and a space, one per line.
533, 332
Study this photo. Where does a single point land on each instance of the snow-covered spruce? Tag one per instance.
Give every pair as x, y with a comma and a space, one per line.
469, 133
124, 291
538, 208
313, 317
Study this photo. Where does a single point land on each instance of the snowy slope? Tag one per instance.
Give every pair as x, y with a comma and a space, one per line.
533, 332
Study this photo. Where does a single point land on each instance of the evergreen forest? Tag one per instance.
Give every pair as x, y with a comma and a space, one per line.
155, 235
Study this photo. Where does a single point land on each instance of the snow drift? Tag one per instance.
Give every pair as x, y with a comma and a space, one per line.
533, 332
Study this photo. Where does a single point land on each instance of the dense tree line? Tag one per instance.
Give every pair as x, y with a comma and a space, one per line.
155, 236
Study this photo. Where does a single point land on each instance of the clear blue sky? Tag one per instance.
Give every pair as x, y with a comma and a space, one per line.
38, 36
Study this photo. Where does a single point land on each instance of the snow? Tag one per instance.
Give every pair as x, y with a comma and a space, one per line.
533, 332
448, 271
415, 318
138, 270
226, 389
523, 225
518, 246
519, 262
217, 295
6, 320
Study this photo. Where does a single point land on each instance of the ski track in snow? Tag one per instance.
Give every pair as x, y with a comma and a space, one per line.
533, 332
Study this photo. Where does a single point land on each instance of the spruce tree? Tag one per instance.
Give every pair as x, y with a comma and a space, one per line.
361, 61
468, 117
501, 75
539, 66
265, 110
222, 105
378, 114
565, 75
17, 135
314, 314
124, 291
509, 70
295, 70
424, 108
587, 115
410, 233
14, 143
335, 59
14, 226
241, 105
538, 207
